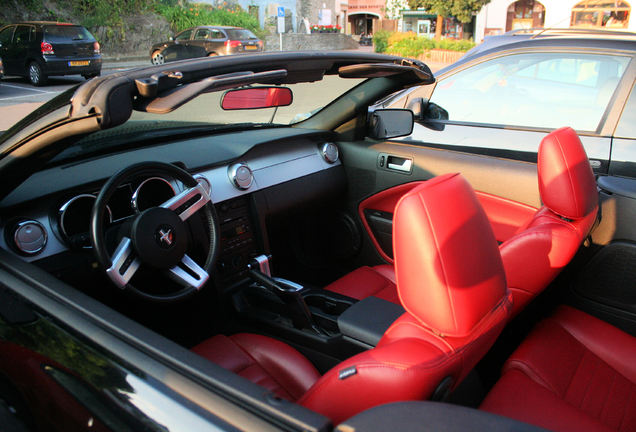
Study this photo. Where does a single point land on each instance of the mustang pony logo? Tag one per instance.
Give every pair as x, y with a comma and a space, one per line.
165, 236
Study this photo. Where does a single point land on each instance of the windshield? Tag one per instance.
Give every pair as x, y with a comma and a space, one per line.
308, 98
204, 113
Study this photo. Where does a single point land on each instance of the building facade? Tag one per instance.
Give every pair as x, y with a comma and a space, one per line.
500, 16
364, 16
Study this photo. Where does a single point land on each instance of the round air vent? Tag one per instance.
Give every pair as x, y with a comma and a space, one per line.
203, 181
240, 175
329, 152
29, 237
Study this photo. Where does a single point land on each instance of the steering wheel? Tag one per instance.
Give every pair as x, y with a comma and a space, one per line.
158, 237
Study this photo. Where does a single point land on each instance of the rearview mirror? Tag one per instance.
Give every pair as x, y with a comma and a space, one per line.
390, 123
256, 97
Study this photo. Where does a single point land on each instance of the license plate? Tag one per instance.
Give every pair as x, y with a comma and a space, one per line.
251, 47
79, 63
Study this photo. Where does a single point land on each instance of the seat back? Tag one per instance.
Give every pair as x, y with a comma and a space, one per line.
536, 254
451, 283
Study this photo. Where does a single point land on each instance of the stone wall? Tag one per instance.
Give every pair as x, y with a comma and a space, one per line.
313, 41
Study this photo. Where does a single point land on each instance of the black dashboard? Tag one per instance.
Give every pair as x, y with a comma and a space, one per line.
248, 176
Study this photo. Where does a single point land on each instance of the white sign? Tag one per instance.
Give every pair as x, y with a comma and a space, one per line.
324, 17
281, 19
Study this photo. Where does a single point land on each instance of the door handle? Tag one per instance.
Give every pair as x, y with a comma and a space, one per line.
399, 164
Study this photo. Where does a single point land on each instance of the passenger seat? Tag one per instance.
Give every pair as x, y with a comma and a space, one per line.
574, 373
536, 254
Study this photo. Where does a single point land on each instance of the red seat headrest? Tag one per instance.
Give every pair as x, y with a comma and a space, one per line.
447, 262
566, 180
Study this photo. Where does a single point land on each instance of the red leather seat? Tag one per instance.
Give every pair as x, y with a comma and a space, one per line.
573, 373
536, 254
456, 308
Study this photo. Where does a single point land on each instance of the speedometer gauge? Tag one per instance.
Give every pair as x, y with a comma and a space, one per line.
152, 192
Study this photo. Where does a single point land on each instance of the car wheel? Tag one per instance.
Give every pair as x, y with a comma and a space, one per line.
157, 58
36, 76
213, 54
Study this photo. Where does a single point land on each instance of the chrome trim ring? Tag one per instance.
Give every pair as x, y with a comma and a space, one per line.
20, 245
62, 211
135, 195
240, 175
329, 152
204, 182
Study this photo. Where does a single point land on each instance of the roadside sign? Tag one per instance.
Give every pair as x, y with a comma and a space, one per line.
281, 19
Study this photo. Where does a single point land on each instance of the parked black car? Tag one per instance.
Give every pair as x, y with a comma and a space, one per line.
503, 96
204, 41
39, 49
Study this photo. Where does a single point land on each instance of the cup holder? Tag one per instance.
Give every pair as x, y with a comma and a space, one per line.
327, 304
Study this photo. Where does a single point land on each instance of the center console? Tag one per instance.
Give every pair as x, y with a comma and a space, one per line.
238, 242
321, 321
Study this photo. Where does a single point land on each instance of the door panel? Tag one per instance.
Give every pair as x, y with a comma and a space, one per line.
606, 284
506, 216
507, 187
376, 214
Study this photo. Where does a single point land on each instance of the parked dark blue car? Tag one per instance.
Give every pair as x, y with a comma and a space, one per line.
39, 49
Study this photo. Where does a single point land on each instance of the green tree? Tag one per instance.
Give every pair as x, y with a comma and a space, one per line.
461, 9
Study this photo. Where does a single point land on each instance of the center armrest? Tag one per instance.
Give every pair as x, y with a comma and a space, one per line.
367, 320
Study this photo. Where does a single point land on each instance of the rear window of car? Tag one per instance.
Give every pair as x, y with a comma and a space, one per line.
67, 33
240, 34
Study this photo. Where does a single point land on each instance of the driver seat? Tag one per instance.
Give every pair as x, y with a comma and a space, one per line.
455, 309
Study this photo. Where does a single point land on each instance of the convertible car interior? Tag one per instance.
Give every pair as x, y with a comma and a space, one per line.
238, 241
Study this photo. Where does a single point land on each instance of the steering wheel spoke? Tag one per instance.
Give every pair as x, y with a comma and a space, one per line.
189, 273
124, 263
188, 202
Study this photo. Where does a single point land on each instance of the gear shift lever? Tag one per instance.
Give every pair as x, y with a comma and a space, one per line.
286, 290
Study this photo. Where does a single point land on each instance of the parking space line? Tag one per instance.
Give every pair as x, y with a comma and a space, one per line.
25, 88
20, 97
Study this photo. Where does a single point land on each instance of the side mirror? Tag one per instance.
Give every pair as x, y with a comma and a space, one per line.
428, 113
256, 97
435, 112
390, 123
424, 110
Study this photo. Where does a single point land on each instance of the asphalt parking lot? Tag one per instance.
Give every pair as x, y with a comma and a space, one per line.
18, 97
